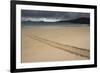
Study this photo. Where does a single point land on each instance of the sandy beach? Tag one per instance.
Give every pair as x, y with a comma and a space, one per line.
37, 45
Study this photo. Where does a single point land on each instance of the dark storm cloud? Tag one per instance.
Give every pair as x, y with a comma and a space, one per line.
33, 13
51, 16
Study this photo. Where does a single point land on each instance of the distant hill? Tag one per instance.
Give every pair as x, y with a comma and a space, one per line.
80, 20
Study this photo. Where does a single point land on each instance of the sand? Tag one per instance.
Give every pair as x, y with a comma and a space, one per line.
34, 50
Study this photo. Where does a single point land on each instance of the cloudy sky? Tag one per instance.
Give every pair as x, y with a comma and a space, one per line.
50, 16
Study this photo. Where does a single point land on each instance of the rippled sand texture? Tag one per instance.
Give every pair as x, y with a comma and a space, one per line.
49, 43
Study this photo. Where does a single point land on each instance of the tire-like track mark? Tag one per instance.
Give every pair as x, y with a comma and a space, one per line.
74, 50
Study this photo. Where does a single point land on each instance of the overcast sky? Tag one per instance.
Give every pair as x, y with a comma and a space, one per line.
35, 14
